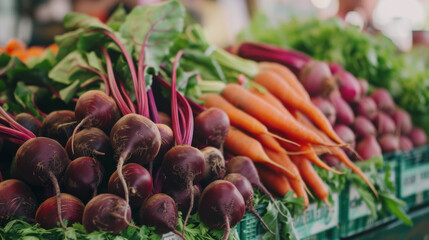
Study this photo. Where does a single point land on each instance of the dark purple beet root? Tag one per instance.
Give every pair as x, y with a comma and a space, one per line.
29, 122
167, 139
59, 125
106, 212
214, 165
71, 208
82, 178
160, 211
332, 161
139, 182
16, 199
221, 206
182, 198
211, 127
164, 118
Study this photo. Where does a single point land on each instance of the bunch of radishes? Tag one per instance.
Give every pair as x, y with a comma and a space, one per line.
370, 123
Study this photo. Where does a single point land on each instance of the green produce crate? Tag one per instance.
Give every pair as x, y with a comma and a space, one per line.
354, 214
413, 187
320, 223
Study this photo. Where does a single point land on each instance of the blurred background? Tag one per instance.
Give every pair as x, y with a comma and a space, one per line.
36, 22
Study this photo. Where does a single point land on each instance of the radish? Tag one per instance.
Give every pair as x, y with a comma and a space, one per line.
139, 182
389, 143
368, 147
349, 86
317, 79
106, 212
214, 165
160, 211
332, 161
418, 137
363, 127
29, 122
384, 123
182, 198
363, 86
59, 125
245, 188
211, 127
244, 166
366, 107
326, 108
403, 121
344, 112
346, 134
221, 206
82, 178
405, 143
384, 100
16, 199
71, 209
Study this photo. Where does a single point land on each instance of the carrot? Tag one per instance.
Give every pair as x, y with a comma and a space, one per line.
276, 183
54, 48
267, 114
273, 83
14, 44
287, 75
242, 144
271, 99
297, 184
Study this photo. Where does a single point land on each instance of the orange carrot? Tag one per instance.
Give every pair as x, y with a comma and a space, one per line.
14, 44
54, 48
275, 182
271, 99
287, 75
273, 83
242, 144
267, 114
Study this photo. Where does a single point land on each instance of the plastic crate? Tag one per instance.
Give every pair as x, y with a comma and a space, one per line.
354, 214
250, 227
413, 186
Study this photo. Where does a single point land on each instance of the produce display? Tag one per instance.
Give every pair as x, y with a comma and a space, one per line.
139, 127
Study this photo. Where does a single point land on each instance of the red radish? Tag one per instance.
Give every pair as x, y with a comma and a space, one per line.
384, 100
316, 78
42, 161
405, 143
363, 86
363, 127
211, 127
29, 122
167, 139
214, 165
221, 206
160, 211
418, 137
135, 139
71, 208
139, 182
106, 212
335, 67
244, 166
368, 148
389, 143
82, 178
366, 107
349, 86
332, 161
16, 199
403, 121
384, 123
59, 125
245, 188
346, 134
326, 108
182, 198
344, 112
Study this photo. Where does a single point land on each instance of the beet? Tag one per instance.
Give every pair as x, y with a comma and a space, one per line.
160, 211
326, 108
332, 161
214, 165
29, 122
82, 178
389, 143
211, 127
344, 112
16, 199
363, 127
368, 148
71, 209
403, 121
221, 206
139, 182
384, 123
106, 212
349, 86
405, 143
366, 107
59, 125
164, 118
384, 100
182, 198
167, 139
316, 78
418, 137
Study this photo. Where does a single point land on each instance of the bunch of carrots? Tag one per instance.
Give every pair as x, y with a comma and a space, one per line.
274, 123
17, 48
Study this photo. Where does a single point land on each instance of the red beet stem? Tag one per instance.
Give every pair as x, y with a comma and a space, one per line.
191, 205
58, 194
256, 214
174, 106
101, 76
227, 228
14, 125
